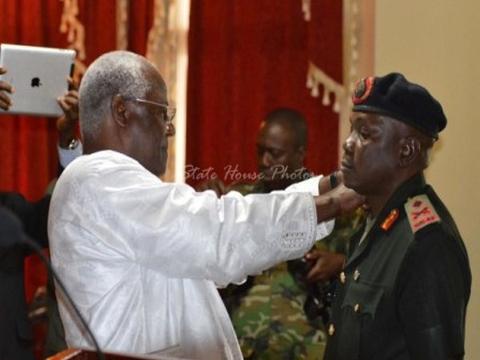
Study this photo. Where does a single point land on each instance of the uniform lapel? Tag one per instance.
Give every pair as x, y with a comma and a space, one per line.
410, 187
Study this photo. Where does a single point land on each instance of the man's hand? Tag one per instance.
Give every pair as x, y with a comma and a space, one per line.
326, 265
330, 182
336, 202
67, 124
5, 88
347, 199
214, 184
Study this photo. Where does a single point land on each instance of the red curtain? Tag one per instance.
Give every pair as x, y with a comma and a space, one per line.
245, 59
141, 21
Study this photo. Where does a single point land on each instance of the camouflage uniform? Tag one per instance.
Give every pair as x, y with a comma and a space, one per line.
267, 311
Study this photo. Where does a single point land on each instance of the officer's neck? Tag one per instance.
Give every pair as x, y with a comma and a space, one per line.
378, 199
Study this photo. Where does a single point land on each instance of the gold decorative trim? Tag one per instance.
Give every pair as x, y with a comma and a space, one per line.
122, 24
162, 47
75, 35
351, 36
317, 77
306, 8
353, 16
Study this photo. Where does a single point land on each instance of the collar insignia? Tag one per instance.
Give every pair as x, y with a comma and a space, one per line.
390, 220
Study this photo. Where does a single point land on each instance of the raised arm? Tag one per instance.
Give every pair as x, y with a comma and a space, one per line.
70, 146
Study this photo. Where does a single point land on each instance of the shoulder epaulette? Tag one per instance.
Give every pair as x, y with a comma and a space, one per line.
420, 212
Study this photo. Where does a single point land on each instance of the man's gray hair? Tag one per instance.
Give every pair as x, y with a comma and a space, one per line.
117, 72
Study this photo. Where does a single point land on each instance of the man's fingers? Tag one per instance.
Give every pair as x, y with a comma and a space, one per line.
73, 84
5, 101
218, 187
5, 86
5, 98
221, 187
327, 265
63, 104
72, 93
339, 175
71, 100
314, 254
315, 273
4, 105
214, 184
348, 199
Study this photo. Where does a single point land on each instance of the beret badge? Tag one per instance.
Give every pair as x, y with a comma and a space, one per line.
363, 88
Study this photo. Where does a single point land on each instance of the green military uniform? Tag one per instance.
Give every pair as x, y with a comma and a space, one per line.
268, 311
405, 287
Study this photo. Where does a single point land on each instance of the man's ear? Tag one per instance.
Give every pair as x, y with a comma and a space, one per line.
409, 150
119, 111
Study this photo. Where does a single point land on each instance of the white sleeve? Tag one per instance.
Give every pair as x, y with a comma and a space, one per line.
173, 229
66, 156
324, 228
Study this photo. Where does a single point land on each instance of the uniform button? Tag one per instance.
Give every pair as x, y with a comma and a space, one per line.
331, 330
356, 308
343, 277
356, 275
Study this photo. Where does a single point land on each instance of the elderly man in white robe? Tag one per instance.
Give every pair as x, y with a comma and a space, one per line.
142, 257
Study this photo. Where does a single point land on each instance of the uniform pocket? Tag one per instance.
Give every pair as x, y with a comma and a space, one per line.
358, 310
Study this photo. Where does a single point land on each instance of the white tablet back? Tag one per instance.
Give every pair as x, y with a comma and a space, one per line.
39, 76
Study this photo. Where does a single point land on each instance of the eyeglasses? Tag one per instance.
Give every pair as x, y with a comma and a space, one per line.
170, 111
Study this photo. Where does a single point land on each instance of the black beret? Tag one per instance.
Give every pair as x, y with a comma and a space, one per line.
394, 96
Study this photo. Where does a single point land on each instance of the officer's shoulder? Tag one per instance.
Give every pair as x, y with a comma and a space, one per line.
422, 216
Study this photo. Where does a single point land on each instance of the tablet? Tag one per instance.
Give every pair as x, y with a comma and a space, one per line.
39, 76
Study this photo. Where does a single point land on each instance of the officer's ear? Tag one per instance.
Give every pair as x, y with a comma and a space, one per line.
409, 151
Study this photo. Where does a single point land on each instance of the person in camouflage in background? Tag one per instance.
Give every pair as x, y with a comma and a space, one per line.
278, 314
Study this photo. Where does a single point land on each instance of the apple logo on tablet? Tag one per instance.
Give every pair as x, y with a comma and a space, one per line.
36, 82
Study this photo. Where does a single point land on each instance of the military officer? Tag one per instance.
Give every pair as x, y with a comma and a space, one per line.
406, 283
